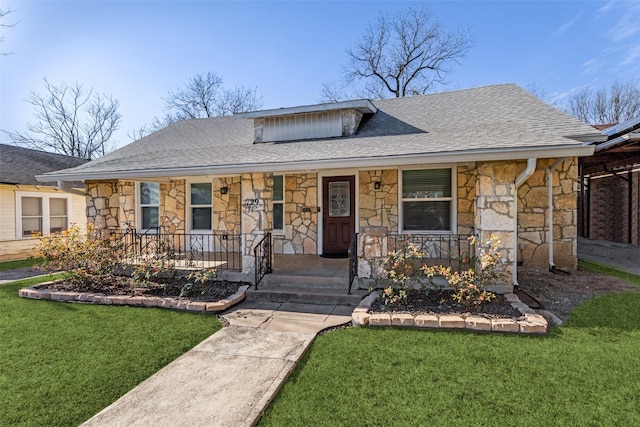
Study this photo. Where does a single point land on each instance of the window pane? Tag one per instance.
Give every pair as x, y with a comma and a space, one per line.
57, 207
278, 216
427, 215
31, 226
31, 206
201, 218
426, 183
201, 194
149, 193
278, 191
339, 200
149, 218
58, 224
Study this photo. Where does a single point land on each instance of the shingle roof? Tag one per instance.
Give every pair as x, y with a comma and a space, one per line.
20, 165
487, 118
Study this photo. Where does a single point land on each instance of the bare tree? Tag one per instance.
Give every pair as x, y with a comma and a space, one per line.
611, 105
4, 24
71, 120
404, 55
204, 96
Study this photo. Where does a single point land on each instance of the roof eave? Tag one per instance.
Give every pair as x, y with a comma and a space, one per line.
363, 105
569, 150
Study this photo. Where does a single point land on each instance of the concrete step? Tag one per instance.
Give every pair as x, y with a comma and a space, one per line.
332, 282
305, 295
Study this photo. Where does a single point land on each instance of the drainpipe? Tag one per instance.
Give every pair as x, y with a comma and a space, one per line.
64, 186
525, 175
552, 168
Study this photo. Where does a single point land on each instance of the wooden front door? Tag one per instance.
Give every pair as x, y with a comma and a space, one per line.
338, 214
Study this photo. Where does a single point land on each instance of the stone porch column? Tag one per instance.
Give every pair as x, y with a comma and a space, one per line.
256, 215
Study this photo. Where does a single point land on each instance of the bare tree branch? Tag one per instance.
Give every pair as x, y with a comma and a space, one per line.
616, 104
4, 25
404, 55
71, 120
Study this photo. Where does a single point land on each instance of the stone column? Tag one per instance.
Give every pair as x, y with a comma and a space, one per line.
372, 248
256, 216
103, 203
495, 209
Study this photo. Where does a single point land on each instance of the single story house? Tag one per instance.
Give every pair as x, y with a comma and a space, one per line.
609, 198
318, 180
28, 206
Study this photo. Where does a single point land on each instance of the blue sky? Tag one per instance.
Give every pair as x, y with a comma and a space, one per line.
137, 51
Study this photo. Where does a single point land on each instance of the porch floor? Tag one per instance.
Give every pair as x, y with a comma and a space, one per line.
310, 266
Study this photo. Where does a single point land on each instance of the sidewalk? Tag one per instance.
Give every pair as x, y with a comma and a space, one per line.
617, 255
231, 377
20, 273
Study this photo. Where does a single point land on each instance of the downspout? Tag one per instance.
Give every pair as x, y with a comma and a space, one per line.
64, 186
550, 171
525, 175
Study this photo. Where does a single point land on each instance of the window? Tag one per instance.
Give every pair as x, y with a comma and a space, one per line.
149, 205
201, 206
41, 214
278, 202
427, 199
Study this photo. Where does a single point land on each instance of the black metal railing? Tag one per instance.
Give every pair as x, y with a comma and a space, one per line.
185, 250
353, 260
262, 256
450, 250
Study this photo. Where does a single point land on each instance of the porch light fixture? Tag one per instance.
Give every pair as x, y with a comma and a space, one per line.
224, 190
377, 185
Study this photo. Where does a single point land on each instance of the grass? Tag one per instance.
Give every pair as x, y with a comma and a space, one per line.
61, 363
609, 271
20, 263
584, 373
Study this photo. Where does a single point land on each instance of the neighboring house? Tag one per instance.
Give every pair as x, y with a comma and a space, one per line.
436, 167
29, 207
609, 207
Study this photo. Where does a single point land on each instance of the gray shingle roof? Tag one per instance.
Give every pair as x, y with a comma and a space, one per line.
486, 118
20, 165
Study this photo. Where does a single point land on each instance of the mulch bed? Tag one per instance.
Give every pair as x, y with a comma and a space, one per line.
442, 302
210, 291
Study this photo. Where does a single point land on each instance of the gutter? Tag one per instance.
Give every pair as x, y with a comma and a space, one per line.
64, 186
521, 179
550, 170
463, 156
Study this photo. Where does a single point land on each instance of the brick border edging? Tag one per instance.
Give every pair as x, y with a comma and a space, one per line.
34, 292
530, 323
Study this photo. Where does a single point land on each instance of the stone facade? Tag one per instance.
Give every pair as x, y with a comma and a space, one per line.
466, 178
300, 216
256, 216
172, 206
378, 208
103, 204
226, 207
127, 208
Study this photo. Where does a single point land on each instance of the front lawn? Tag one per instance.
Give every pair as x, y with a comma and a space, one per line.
20, 263
61, 363
583, 373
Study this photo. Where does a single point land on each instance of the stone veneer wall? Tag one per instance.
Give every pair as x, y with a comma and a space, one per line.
533, 204
226, 207
466, 199
378, 208
103, 204
300, 228
256, 219
127, 208
172, 206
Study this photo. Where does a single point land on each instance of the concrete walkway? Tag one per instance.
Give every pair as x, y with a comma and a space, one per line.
19, 273
617, 255
231, 377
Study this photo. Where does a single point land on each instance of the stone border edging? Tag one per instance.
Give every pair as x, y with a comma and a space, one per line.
531, 323
34, 292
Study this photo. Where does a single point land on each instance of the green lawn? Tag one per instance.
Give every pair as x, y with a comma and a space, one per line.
61, 363
20, 263
585, 373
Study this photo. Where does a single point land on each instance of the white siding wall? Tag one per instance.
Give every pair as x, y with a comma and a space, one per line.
303, 126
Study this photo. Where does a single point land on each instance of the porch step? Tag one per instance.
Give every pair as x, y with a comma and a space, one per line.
337, 283
305, 295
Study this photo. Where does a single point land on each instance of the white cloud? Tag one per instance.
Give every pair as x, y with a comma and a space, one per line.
629, 23
563, 28
591, 66
633, 55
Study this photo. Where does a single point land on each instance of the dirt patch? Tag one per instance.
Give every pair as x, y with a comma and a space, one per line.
559, 294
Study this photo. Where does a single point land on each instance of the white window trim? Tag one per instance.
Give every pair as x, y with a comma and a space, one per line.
139, 206
189, 213
46, 216
453, 199
280, 231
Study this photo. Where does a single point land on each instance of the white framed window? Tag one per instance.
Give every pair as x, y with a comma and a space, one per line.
201, 206
149, 205
427, 197
38, 213
278, 203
